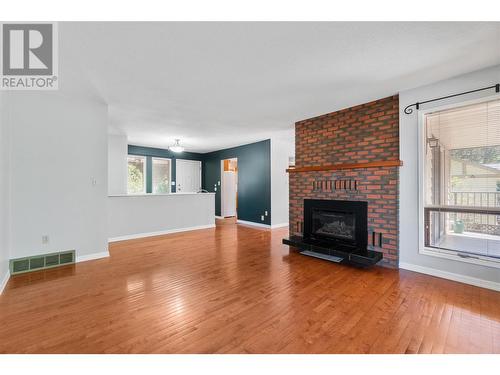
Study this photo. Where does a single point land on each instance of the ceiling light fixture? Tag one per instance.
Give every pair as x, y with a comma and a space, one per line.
176, 147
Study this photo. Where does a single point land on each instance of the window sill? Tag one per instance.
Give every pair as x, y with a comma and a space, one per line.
452, 255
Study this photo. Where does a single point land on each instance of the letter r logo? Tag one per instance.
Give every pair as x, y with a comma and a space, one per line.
27, 49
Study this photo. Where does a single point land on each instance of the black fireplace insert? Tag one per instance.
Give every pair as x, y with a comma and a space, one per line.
342, 224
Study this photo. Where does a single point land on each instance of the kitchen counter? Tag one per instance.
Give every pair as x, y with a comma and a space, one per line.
144, 215
156, 195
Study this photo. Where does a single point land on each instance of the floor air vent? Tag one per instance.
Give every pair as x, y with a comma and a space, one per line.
39, 262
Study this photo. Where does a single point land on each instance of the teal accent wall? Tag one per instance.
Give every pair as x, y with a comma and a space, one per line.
151, 153
254, 175
254, 179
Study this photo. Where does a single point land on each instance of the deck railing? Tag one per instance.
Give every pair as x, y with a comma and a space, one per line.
474, 199
485, 220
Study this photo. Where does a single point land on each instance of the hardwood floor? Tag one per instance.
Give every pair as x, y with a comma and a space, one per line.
236, 289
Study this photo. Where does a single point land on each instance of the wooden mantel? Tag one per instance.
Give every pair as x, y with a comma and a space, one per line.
335, 167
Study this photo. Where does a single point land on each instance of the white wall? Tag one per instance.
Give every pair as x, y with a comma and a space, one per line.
282, 147
135, 216
58, 172
117, 164
409, 254
4, 197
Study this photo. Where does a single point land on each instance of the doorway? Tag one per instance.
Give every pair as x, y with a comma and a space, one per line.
188, 176
229, 187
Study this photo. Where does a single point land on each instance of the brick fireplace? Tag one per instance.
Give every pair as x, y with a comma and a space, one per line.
349, 139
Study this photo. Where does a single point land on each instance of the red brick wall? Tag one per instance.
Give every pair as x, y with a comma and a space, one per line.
365, 133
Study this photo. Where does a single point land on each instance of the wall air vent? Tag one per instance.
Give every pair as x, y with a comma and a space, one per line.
39, 262
67, 257
20, 265
51, 260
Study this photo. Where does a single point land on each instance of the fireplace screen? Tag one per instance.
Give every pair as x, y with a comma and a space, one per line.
333, 224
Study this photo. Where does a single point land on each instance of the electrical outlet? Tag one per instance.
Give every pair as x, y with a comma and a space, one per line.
261, 217
45, 239
265, 213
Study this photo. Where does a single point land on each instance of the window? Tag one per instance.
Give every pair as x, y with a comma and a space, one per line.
136, 182
161, 175
460, 183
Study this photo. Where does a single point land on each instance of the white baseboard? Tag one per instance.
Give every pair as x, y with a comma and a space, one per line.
451, 276
219, 217
159, 233
4, 281
281, 225
253, 224
84, 258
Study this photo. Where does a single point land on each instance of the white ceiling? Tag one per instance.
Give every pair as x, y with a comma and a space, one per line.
215, 85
